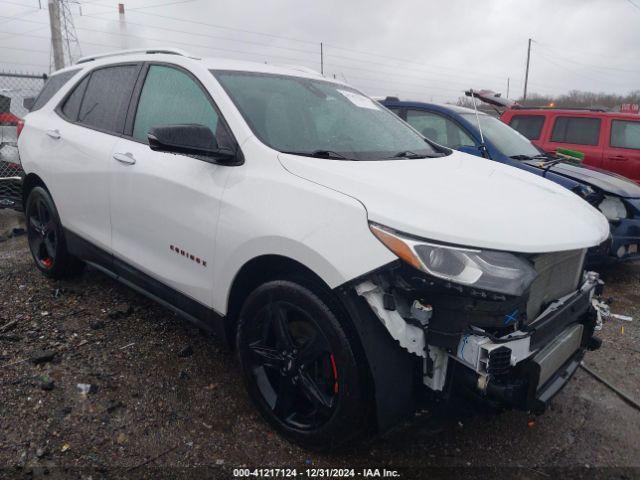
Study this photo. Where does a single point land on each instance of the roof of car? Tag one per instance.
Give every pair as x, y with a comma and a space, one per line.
431, 106
570, 111
211, 63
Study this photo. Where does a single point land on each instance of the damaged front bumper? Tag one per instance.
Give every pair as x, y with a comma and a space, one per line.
521, 365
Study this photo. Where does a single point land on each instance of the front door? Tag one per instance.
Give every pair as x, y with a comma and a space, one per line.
164, 207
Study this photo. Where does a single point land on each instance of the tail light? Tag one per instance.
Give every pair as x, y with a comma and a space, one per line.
19, 128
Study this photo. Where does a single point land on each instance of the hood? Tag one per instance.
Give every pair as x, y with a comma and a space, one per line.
462, 199
606, 181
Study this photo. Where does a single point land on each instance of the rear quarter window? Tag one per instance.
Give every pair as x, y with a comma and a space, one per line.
528, 125
51, 87
576, 130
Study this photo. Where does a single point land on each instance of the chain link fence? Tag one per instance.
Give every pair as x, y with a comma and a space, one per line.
14, 88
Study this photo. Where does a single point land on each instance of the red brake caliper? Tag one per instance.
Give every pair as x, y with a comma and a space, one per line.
335, 374
47, 262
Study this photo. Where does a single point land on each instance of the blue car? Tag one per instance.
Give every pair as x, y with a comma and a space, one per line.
615, 196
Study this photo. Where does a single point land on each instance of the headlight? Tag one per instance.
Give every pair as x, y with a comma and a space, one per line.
488, 270
612, 208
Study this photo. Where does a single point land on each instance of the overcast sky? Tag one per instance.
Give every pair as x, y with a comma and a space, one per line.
417, 49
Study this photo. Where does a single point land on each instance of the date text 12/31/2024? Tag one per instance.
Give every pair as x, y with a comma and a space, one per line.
315, 473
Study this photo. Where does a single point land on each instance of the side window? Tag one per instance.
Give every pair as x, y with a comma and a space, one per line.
528, 125
577, 130
51, 87
170, 96
438, 128
71, 106
396, 110
107, 96
625, 134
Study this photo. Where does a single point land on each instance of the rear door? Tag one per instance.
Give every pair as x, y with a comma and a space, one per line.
79, 142
622, 154
582, 133
165, 206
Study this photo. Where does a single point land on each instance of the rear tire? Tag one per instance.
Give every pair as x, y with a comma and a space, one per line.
299, 367
46, 237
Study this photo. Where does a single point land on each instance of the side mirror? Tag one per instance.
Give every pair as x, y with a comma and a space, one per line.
28, 103
190, 139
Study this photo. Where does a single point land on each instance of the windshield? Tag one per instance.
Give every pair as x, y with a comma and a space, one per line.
509, 141
319, 118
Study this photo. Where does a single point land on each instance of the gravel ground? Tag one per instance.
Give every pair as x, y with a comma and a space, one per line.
158, 393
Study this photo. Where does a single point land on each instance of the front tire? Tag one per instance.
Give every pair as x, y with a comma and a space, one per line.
299, 367
46, 237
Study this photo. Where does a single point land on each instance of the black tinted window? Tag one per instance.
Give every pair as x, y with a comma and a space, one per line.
528, 125
51, 87
106, 100
577, 130
625, 134
72, 104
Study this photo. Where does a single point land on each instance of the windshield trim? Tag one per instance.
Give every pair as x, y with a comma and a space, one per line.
437, 149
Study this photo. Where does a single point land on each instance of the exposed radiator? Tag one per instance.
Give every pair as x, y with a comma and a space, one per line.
558, 275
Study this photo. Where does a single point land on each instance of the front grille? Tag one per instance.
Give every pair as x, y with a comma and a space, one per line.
558, 275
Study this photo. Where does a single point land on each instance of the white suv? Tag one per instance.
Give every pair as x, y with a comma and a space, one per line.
354, 265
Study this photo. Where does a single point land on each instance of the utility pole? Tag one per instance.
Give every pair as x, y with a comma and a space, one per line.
56, 34
508, 81
526, 75
321, 60
123, 26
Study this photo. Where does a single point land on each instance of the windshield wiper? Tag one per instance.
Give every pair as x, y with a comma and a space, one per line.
320, 154
529, 157
410, 154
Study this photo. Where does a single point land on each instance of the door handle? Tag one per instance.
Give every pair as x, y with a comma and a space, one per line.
55, 134
126, 158
618, 157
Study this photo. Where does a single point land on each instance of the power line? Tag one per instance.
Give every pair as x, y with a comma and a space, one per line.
253, 32
439, 74
223, 27
580, 74
464, 84
552, 51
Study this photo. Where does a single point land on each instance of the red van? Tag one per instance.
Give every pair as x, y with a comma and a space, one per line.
609, 140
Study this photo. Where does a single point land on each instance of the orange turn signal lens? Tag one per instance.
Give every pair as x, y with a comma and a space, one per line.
397, 246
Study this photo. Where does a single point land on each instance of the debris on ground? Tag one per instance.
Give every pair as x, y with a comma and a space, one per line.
46, 383
97, 325
17, 232
86, 388
121, 311
42, 356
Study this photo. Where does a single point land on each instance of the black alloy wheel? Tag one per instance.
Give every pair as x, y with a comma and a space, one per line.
293, 366
46, 238
43, 239
299, 365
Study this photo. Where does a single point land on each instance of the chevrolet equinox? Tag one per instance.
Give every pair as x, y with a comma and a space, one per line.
315, 231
